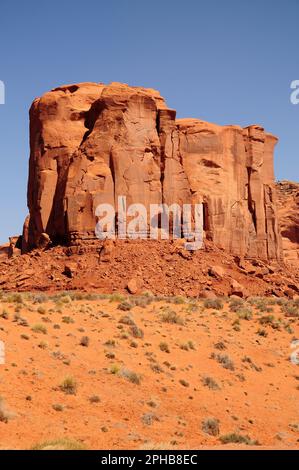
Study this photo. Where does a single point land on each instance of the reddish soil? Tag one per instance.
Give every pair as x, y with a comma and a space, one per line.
159, 267
255, 396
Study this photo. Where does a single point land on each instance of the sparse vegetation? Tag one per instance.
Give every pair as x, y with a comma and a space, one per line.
69, 386
215, 304
39, 328
210, 383
59, 444
210, 426
84, 341
224, 360
234, 438
164, 347
170, 316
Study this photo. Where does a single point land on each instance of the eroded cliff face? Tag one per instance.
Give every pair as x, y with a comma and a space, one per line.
91, 143
288, 213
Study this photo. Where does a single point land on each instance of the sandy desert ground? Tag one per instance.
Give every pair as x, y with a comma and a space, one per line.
117, 372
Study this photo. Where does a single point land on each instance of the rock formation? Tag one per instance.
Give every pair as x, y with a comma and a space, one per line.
288, 214
91, 143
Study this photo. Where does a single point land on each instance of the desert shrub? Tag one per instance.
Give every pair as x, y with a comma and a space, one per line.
39, 328
210, 383
5, 414
224, 360
39, 298
4, 315
178, 300
126, 320
136, 332
244, 313
235, 303
216, 304
269, 320
184, 383
262, 332
170, 316
187, 346
94, 399
141, 301
114, 369
116, 297
84, 341
220, 345
164, 347
156, 368
125, 306
59, 444
68, 320
149, 418
237, 439
192, 307
69, 386
249, 361
23, 336
210, 426
110, 355
58, 407
131, 376
41, 310
291, 309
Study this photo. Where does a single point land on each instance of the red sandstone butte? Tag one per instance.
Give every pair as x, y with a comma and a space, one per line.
92, 142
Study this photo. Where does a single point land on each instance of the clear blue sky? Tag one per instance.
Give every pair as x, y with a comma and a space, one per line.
229, 62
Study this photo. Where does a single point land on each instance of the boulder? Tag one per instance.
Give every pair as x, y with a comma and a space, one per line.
133, 286
217, 271
237, 289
